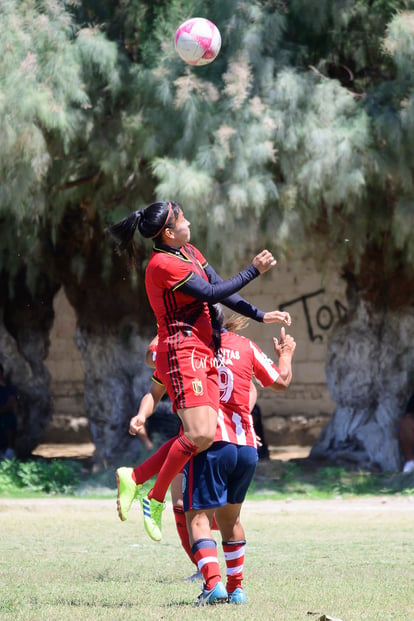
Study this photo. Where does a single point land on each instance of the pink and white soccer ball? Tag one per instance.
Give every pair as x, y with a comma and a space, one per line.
197, 41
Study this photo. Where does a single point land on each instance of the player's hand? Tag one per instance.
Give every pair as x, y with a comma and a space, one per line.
137, 425
277, 317
286, 344
264, 261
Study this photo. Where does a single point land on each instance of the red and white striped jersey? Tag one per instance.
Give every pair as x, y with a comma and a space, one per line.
239, 360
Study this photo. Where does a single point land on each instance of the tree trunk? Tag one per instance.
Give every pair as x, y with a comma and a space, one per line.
369, 368
116, 378
24, 343
114, 327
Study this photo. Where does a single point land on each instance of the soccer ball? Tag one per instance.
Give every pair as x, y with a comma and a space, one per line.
197, 41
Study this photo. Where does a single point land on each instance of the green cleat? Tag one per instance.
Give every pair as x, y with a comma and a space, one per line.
152, 510
127, 491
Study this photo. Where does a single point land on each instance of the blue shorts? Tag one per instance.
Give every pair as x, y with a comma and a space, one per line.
218, 476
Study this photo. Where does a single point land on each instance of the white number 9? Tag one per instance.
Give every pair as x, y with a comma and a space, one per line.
225, 383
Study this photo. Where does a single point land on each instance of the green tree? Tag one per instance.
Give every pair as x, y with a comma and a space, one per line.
300, 133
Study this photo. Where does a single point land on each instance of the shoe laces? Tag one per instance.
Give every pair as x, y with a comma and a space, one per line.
157, 509
204, 593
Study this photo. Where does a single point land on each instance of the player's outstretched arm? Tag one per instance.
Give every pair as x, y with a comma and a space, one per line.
241, 306
284, 349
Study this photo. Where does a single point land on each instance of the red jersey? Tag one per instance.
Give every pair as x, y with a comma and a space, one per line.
240, 359
180, 317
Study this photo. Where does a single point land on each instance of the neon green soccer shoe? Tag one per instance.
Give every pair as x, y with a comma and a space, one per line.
127, 491
152, 510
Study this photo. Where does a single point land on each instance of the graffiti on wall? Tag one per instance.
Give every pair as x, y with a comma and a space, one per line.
317, 317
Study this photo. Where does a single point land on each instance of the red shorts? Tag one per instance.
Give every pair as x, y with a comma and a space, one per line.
190, 376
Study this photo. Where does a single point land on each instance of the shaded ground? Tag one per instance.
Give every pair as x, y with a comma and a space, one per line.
86, 449
289, 473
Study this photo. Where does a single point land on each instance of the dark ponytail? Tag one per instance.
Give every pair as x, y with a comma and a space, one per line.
123, 232
151, 222
217, 322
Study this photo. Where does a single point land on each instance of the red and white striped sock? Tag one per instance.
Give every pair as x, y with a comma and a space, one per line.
205, 553
234, 555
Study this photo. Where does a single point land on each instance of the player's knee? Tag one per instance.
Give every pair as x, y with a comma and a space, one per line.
203, 442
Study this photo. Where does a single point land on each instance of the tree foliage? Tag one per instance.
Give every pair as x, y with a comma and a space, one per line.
298, 134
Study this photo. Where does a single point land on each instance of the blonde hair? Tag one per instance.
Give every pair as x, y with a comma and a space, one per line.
235, 323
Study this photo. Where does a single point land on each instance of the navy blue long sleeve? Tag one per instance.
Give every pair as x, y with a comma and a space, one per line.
213, 292
236, 302
219, 290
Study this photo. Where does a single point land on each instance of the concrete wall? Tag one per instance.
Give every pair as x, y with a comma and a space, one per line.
65, 365
296, 417
315, 303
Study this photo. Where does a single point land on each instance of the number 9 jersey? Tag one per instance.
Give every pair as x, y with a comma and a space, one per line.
239, 359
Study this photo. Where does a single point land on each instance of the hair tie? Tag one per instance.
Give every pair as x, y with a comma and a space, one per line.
165, 223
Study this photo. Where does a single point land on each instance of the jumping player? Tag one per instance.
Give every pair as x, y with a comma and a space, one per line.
130, 481
179, 284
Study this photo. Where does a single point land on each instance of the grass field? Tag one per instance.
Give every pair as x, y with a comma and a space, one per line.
72, 559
